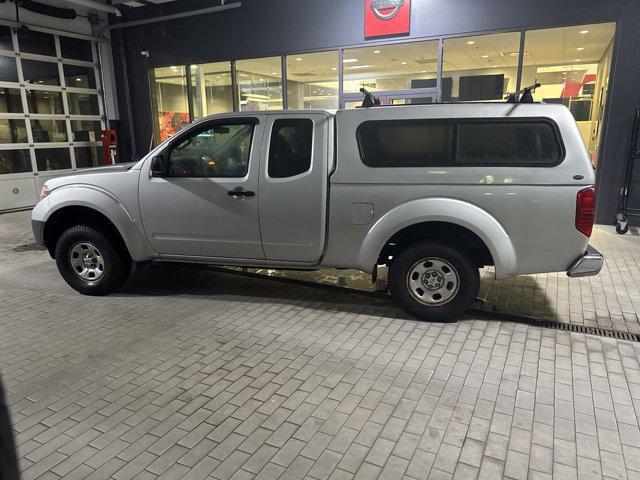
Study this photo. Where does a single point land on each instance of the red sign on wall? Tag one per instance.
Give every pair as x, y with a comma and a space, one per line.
386, 18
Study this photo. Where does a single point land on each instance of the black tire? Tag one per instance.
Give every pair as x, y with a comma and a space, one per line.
620, 230
462, 296
116, 262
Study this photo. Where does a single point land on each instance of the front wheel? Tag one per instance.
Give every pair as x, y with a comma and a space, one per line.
434, 281
90, 262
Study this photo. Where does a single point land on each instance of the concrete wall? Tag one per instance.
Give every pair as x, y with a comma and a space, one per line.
274, 27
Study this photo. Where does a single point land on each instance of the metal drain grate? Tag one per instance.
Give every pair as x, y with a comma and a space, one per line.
567, 327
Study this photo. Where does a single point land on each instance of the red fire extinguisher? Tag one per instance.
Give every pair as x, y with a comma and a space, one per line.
109, 147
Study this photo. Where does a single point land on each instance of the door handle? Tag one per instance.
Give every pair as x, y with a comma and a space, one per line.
241, 193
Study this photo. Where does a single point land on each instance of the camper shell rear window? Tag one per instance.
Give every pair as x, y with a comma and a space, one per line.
521, 142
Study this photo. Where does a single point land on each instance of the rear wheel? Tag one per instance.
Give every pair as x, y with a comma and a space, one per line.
90, 262
434, 281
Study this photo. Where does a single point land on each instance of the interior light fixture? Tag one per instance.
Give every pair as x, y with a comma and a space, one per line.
349, 60
485, 56
376, 51
470, 42
403, 63
423, 71
494, 66
577, 60
334, 68
298, 59
357, 67
580, 49
584, 32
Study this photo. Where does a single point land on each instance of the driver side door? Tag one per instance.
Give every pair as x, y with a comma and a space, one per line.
205, 202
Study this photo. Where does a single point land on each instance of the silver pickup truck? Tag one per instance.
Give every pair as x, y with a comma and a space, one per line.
434, 192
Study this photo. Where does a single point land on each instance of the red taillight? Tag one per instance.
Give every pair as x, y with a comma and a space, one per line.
586, 210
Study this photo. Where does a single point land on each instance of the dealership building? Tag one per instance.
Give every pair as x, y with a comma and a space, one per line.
80, 79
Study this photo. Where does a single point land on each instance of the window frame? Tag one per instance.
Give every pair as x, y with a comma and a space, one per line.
313, 144
196, 129
457, 121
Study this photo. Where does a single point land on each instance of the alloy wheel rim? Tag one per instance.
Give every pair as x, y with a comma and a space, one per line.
433, 281
87, 262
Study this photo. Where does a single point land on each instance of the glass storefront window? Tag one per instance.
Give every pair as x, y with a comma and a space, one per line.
403, 66
15, 161
169, 100
76, 49
6, 42
572, 64
44, 131
83, 104
13, 131
88, 156
31, 41
86, 130
259, 84
40, 101
10, 100
53, 159
480, 68
40, 73
211, 89
312, 80
8, 69
79, 77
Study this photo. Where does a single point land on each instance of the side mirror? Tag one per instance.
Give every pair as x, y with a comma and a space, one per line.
158, 167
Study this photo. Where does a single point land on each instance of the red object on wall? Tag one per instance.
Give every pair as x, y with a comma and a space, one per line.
572, 89
386, 18
109, 147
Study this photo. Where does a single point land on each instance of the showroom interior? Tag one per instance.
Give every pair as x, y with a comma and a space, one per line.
238, 372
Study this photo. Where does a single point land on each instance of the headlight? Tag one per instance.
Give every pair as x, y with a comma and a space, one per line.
44, 192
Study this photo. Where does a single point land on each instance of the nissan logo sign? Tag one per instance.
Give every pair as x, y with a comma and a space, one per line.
386, 9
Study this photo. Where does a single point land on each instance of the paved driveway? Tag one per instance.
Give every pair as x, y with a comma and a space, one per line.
194, 374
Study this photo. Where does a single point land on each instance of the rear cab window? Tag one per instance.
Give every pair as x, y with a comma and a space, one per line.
518, 142
290, 149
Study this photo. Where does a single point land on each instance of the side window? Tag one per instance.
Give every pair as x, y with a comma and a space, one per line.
218, 151
290, 148
406, 143
508, 144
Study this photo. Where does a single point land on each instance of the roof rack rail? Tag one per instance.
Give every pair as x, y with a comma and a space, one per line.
525, 94
369, 99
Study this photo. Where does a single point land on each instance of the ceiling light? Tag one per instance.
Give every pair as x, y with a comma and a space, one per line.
584, 32
274, 73
470, 42
334, 68
376, 51
193, 67
423, 71
298, 59
78, 79
403, 63
485, 56
357, 67
577, 60
261, 80
580, 49
349, 60
494, 66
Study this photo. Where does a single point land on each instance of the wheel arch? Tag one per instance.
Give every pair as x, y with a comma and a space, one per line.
71, 215
452, 221
74, 204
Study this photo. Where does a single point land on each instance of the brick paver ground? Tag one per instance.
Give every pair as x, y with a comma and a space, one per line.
198, 374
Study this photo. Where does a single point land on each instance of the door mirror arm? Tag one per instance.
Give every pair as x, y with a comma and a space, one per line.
158, 167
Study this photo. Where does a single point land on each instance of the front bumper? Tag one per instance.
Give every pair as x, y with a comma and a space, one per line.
590, 263
38, 231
